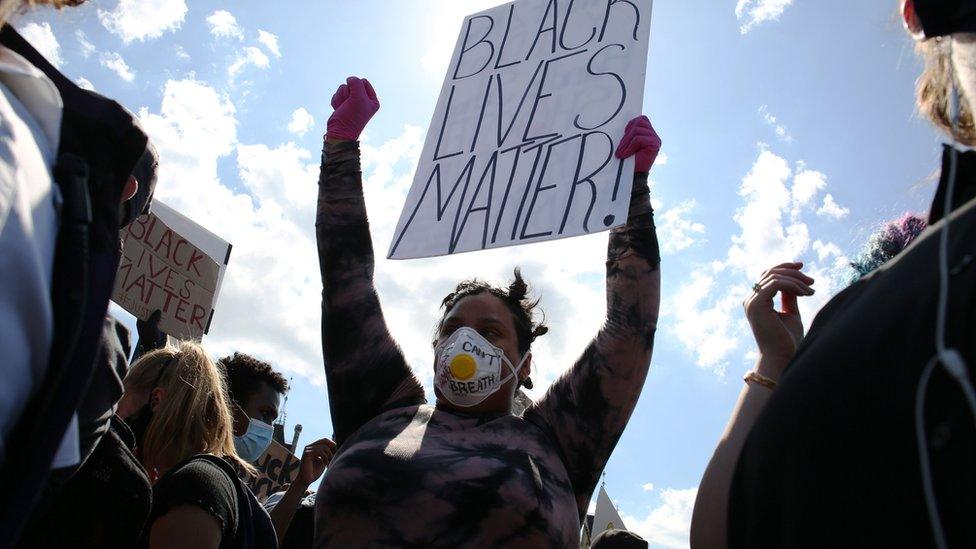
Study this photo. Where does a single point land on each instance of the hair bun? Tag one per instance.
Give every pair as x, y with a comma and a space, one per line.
518, 289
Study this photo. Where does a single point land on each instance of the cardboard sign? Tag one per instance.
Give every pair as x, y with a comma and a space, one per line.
172, 264
276, 468
521, 145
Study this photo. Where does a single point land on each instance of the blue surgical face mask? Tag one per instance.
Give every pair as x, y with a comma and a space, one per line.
252, 444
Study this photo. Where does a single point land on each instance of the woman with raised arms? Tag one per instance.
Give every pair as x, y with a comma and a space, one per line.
467, 472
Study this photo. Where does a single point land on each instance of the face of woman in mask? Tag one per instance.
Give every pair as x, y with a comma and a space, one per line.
491, 318
136, 409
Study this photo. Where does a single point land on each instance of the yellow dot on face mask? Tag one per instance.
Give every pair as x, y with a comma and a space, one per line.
463, 367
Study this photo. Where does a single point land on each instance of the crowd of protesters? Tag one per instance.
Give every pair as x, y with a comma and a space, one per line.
860, 432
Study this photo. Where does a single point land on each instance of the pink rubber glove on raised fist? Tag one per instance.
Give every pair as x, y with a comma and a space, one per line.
355, 103
640, 140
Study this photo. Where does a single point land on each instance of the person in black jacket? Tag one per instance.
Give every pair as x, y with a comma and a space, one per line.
863, 433
98, 147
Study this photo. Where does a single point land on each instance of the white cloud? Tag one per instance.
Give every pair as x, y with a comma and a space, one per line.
113, 61
285, 175
669, 524
195, 129
224, 24
832, 209
648, 487
765, 238
773, 228
675, 231
806, 185
781, 131
301, 121
248, 56
86, 48
752, 13
181, 53
704, 324
85, 84
42, 38
270, 41
143, 19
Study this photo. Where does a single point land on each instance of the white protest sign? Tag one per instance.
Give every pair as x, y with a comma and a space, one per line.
520, 148
174, 265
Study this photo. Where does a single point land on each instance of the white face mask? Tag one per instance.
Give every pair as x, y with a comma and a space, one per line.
469, 368
251, 445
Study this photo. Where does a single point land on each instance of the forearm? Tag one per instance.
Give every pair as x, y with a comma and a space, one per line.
709, 521
633, 291
588, 407
341, 225
284, 511
363, 365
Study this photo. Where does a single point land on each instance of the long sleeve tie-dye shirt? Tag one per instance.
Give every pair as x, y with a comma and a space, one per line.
410, 475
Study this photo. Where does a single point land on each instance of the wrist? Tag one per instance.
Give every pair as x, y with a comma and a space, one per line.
335, 140
772, 366
299, 485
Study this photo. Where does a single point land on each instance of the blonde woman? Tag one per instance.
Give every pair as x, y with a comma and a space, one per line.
177, 406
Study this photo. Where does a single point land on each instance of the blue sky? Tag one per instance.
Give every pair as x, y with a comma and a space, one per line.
766, 108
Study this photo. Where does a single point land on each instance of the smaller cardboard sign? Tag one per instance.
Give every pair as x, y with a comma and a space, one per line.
174, 265
276, 468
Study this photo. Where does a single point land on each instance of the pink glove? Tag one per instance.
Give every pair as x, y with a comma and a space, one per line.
355, 103
641, 140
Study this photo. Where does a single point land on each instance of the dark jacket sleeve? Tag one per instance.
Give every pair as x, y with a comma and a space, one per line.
586, 409
364, 367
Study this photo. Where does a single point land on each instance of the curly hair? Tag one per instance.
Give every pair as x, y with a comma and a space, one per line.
245, 374
885, 244
515, 297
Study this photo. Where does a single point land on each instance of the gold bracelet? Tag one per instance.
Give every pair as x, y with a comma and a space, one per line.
760, 379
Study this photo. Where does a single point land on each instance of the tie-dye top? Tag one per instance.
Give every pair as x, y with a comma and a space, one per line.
410, 475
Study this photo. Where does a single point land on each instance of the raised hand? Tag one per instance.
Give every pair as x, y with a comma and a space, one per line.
641, 141
778, 333
315, 459
150, 336
355, 103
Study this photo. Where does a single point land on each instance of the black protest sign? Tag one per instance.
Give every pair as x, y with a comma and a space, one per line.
276, 468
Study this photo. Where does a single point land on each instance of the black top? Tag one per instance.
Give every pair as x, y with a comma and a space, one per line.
200, 483
833, 459
105, 504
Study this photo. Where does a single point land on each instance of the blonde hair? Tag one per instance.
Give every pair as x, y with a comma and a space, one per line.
193, 417
934, 91
8, 7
